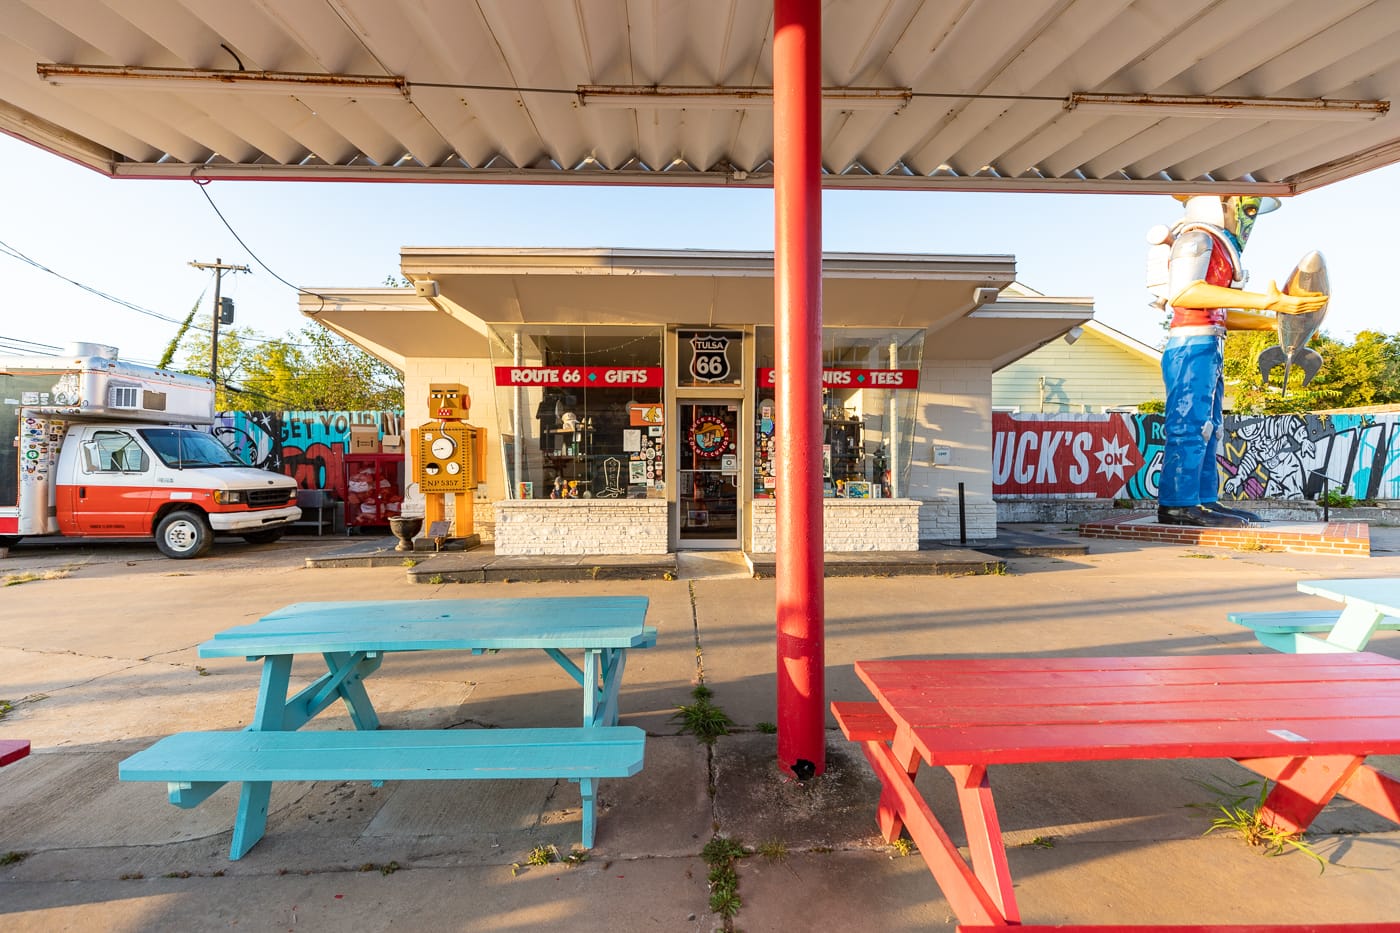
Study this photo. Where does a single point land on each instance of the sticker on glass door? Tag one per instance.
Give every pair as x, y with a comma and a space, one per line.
708, 495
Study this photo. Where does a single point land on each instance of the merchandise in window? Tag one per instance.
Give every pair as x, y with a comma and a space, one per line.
581, 411
870, 391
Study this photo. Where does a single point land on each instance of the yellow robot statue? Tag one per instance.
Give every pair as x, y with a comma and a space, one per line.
449, 458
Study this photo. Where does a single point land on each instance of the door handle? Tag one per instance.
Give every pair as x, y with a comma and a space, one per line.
82, 492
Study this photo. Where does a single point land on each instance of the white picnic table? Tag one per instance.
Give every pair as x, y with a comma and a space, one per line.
1369, 605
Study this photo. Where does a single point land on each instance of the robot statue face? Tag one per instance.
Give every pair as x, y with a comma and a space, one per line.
1241, 211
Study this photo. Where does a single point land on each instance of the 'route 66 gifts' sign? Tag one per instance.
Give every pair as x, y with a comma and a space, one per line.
709, 357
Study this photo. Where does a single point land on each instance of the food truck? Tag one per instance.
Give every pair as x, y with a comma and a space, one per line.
95, 447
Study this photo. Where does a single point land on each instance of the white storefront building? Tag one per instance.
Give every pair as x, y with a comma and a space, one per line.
628, 395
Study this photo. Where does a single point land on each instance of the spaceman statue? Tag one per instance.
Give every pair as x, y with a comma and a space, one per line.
1203, 284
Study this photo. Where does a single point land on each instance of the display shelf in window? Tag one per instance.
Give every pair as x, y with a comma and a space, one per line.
568, 463
843, 449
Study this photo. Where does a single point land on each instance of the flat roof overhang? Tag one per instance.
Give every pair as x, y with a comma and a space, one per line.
979, 95
951, 296
697, 287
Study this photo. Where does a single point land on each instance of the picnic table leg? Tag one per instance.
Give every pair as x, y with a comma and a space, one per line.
614, 664
270, 715
907, 758
1303, 786
1375, 790
970, 901
979, 815
1354, 627
351, 687
586, 791
590, 687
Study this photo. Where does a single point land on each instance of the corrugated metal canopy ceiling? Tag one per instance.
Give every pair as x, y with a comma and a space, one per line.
965, 94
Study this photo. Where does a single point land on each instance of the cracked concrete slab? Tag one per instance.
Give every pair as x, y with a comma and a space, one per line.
112, 647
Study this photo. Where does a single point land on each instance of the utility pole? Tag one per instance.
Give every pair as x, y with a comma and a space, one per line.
219, 267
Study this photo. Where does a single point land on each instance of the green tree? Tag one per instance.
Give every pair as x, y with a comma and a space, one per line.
311, 369
1362, 373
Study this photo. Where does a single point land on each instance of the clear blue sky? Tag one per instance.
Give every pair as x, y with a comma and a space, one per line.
134, 239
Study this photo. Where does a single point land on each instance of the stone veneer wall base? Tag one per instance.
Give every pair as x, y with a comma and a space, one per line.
581, 526
849, 525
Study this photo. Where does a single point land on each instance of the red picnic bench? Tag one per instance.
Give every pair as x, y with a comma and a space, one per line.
1208, 928
12, 750
1305, 722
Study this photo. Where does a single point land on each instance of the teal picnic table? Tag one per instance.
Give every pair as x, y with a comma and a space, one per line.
1369, 605
352, 639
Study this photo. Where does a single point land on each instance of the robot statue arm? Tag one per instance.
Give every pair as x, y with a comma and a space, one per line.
1190, 260
1200, 294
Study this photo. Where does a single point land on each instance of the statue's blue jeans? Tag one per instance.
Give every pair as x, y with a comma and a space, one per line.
1192, 368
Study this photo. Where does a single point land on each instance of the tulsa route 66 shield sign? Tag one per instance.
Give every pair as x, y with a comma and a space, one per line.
709, 360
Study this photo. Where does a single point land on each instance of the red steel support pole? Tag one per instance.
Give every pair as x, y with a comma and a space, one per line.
797, 278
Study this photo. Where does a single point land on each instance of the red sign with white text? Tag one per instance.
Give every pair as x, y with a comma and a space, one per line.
854, 378
1094, 458
590, 377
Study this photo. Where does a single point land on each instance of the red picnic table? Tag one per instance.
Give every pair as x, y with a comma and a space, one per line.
1306, 722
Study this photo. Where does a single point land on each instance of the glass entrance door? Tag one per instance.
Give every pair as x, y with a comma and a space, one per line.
707, 496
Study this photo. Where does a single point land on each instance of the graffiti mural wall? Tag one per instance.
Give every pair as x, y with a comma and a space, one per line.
1119, 456
309, 446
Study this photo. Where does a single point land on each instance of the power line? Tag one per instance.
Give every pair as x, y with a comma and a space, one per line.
7, 250
20, 345
203, 184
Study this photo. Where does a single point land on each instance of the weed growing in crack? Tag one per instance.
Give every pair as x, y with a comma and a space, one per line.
702, 718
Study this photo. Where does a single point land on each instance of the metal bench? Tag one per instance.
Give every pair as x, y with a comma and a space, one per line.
196, 764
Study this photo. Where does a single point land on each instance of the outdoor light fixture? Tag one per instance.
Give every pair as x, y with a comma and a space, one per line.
243, 82
702, 97
1073, 334
1247, 108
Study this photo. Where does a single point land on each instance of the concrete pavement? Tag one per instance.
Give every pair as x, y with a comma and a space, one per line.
100, 661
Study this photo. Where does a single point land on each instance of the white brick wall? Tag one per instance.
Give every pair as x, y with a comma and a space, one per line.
955, 411
581, 526
847, 525
938, 520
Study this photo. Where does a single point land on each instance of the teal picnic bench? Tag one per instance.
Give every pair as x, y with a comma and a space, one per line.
195, 764
1369, 606
353, 639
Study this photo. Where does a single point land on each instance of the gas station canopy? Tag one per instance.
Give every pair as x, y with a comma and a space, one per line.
1271, 96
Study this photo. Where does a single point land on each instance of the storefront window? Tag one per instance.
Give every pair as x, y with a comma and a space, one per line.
870, 393
580, 411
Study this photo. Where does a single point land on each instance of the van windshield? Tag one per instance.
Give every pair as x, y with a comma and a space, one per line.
179, 448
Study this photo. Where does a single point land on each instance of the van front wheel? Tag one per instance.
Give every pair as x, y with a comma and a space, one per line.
183, 535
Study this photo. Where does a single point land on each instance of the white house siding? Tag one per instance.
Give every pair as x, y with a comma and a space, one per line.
1093, 374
